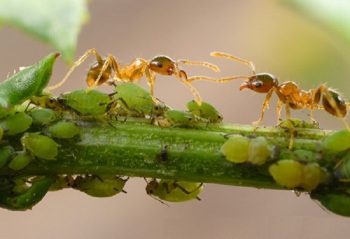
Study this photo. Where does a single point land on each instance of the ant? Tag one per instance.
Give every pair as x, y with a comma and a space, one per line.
108, 68
289, 93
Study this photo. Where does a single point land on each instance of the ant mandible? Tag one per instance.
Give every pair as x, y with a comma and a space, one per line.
109, 68
289, 93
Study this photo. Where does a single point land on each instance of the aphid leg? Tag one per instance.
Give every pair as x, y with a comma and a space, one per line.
264, 107
200, 63
183, 78
75, 65
188, 192
334, 105
235, 58
220, 80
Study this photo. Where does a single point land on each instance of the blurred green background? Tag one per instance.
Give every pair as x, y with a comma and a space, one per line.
287, 39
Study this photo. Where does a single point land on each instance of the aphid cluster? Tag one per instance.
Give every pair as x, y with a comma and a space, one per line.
44, 123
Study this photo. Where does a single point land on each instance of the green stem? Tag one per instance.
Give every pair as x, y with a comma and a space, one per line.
143, 150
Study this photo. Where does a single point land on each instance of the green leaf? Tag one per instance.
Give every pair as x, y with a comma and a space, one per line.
333, 14
57, 22
26, 83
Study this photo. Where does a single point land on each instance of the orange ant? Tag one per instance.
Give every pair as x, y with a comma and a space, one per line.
109, 68
289, 93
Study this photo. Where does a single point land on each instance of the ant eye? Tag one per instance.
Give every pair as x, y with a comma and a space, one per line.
159, 64
258, 84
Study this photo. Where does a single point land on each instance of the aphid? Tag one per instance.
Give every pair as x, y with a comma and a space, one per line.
337, 141
20, 161
63, 130
136, 101
293, 174
241, 149
99, 186
108, 68
16, 123
236, 149
43, 116
291, 126
84, 102
26, 83
27, 198
336, 202
40, 146
5, 154
287, 173
259, 151
174, 191
205, 110
289, 93
182, 118
342, 169
62, 182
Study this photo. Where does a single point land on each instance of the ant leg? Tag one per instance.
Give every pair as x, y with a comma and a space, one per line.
235, 58
200, 63
151, 78
107, 63
220, 80
278, 111
193, 90
264, 107
75, 65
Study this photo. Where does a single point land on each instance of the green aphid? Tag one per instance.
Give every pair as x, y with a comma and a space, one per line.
86, 102
63, 130
5, 154
287, 173
174, 191
62, 182
20, 161
182, 118
342, 169
40, 146
338, 203
313, 175
205, 110
259, 151
16, 123
43, 116
336, 142
99, 186
305, 155
27, 198
134, 100
26, 83
297, 123
236, 149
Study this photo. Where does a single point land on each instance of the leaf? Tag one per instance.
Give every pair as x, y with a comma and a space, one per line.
332, 13
28, 82
57, 22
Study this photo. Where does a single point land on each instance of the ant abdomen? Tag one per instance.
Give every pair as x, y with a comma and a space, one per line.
339, 109
94, 72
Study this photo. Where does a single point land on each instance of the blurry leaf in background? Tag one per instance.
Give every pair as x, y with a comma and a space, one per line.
332, 13
57, 22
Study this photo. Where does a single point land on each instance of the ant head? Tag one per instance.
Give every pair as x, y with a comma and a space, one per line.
163, 65
152, 187
260, 83
339, 109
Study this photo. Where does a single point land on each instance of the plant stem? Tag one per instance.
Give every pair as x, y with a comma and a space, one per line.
140, 149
